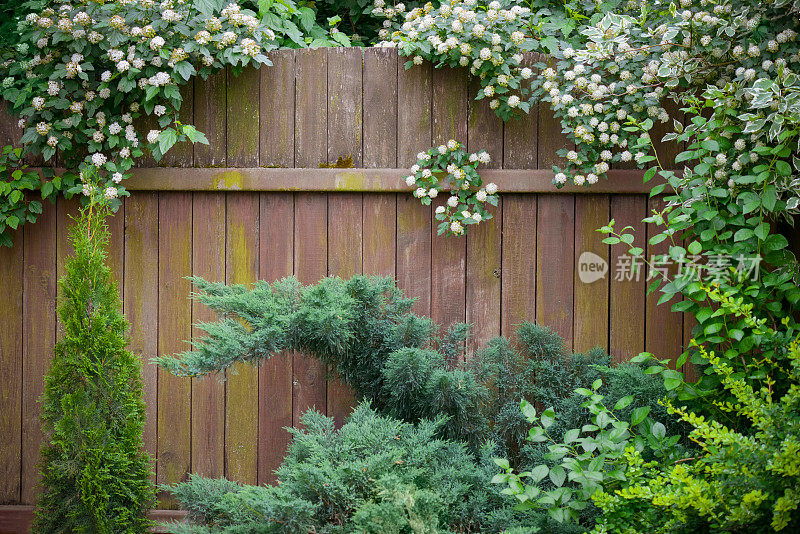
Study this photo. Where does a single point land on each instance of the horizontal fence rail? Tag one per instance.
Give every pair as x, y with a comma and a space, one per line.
254, 205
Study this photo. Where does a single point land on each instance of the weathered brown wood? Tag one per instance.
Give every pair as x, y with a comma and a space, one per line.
182, 154
414, 122
311, 107
277, 111
555, 264
276, 260
39, 331
209, 118
380, 98
521, 135
310, 265
345, 239
208, 393
10, 132
483, 283
484, 128
11, 347
627, 291
115, 252
344, 104
590, 309
519, 262
448, 256
550, 139
243, 118
379, 234
241, 420
360, 180
140, 294
174, 327
663, 327
414, 252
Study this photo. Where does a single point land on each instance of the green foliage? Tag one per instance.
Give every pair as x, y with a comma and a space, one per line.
374, 474
739, 482
95, 476
301, 24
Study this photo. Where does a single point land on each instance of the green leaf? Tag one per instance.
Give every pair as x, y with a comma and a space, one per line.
743, 234
528, 410
639, 414
624, 402
548, 417
539, 472
502, 463
695, 247
557, 476
166, 140
783, 168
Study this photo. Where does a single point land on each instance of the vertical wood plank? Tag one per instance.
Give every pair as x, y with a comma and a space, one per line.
521, 135
379, 247
310, 265
115, 258
484, 264
551, 139
182, 154
276, 260
663, 327
448, 254
555, 264
344, 104
484, 128
243, 117
277, 111
39, 303
208, 393
380, 99
311, 107
10, 132
414, 123
209, 118
344, 260
519, 261
626, 337
174, 328
591, 295
11, 348
241, 391
140, 291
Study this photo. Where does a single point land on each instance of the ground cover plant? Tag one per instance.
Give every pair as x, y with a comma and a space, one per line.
402, 369
95, 475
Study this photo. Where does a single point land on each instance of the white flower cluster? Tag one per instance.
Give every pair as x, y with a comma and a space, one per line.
450, 167
91, 68
490, 40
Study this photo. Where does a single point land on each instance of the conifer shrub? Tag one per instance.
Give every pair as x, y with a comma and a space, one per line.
95, 475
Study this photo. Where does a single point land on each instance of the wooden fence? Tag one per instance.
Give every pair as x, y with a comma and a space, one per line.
253, 205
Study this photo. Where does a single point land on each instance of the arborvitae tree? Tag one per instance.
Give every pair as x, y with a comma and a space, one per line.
95, 474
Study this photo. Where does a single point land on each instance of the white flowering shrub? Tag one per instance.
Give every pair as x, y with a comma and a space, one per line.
83, 72
488, 38
449, 167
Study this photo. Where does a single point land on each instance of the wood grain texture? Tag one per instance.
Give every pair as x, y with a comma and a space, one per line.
483, 283
519, 262
277, 112
521, 136
380, 98
174, 330
345, 238
208, 392
550, 139
11, 349
484, 127
344, 104
627, 304
140, 294
663, 327
414, 252
243, 118
39, 332
311, 107
448, 256
414, 121
310, 265
210, 118
241, 388
590, 309
115, 252
276, 260
182, 154
555, 264
379, 253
